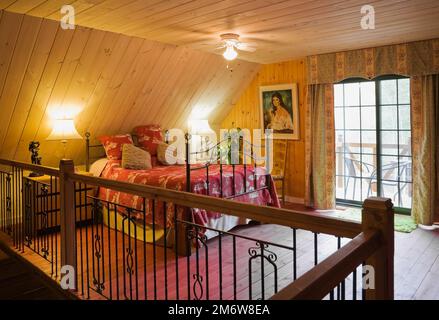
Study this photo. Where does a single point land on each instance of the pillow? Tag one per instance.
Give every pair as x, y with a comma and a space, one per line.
113, 145
168, 152
149, 137
135, 158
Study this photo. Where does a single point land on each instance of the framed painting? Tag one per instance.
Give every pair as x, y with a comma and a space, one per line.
280, 110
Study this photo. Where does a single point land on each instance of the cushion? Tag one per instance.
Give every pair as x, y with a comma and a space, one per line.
113, 145
135, 158
149, 137
166, 154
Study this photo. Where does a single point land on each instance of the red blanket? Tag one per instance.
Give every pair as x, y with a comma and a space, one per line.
174, 177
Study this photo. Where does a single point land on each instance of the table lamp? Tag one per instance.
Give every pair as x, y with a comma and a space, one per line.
63, 130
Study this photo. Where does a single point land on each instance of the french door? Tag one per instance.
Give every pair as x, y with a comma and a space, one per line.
373, 140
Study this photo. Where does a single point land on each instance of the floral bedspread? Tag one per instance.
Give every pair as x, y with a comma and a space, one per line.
174, 177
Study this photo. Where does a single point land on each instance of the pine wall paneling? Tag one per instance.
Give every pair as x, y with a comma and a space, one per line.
112, 82
246, 114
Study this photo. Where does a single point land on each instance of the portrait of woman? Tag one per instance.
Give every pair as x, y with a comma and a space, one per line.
279, 119
279, 110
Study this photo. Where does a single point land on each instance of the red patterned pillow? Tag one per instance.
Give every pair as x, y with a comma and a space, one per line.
149, 137
113, 145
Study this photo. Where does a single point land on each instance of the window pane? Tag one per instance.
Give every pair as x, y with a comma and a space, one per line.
339, 168
353, 164
390, 190
352, 94
352, 141
406, 194
389, 117
403, 91
405, 143
405, 169
352, 118
368, 118
388, 91
368, 140
338, 116
367, 93
369, 188
339, 140
404, 117
389, 168
338, 95
369, 165
389, 142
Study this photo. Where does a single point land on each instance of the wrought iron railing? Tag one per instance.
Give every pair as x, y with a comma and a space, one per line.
156, 251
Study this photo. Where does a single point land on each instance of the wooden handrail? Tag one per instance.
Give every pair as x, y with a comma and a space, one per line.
319, 281
294, 219
291, 218
374, 246
50, 171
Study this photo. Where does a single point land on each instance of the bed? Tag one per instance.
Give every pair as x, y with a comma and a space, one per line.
212, 179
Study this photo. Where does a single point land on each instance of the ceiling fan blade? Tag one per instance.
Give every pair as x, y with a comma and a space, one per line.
246, 47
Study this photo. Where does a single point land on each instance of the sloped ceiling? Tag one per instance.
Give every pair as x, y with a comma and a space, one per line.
112, 82
280, 29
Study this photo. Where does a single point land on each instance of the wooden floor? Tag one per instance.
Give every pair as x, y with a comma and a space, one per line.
416, 265
19, 282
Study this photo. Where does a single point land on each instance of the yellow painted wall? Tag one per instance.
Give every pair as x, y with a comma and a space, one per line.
246, 114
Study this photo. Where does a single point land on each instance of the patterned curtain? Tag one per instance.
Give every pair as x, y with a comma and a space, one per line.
425, 146
409, 59
320, 147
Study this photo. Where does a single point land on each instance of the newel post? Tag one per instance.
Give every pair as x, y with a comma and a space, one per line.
378, 215
68, 219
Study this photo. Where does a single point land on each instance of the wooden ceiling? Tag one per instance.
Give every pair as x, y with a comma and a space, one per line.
112, 82
281, 29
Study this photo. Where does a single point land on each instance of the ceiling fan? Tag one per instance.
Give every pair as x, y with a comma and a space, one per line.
230, 41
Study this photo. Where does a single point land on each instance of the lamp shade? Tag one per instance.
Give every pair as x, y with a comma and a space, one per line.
64, 129
199, 127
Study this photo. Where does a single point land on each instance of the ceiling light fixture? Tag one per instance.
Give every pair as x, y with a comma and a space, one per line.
230, 53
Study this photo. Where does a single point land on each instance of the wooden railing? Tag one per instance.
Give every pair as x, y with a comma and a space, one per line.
374, 245
372, 242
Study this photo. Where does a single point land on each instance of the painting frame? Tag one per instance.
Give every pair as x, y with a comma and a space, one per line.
287, 102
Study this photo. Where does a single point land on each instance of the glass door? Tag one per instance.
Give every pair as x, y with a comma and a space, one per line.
373, 140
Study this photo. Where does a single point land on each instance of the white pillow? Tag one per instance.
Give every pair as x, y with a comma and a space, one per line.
135, 158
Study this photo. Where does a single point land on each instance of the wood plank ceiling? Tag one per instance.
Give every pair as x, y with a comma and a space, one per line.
281, 29
112, 81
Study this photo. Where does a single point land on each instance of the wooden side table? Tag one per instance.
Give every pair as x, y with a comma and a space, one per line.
41, 203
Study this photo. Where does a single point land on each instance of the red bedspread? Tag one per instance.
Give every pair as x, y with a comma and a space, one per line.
174, 177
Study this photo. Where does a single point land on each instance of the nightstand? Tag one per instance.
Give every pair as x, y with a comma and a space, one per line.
41, 203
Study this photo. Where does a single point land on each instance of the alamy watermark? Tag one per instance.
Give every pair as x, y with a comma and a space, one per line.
368, 19
68, 17
68, 277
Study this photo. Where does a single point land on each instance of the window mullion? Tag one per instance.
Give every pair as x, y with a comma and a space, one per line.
378, 136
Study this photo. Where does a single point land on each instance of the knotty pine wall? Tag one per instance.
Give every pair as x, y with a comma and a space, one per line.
246, 114
114, 81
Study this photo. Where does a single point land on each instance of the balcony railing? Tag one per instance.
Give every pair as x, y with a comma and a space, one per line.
60, 222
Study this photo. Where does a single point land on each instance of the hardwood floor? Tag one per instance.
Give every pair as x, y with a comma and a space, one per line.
416, 265
18, 281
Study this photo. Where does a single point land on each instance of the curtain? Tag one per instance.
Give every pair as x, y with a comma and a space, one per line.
410, 59
425, 146
320, 147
